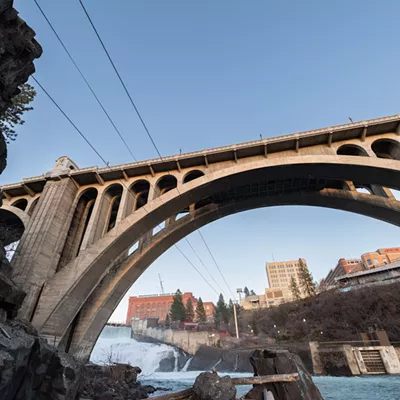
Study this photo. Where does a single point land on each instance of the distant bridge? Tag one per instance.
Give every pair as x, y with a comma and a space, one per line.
78, 224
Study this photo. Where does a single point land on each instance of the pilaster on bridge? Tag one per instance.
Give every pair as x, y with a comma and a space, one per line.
79, 224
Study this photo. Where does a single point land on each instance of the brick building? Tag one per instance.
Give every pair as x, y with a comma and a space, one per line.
158, 306
380, 257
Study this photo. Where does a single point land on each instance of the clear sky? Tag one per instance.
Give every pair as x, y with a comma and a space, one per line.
211, 73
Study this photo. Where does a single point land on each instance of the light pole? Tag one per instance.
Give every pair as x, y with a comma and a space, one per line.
236, 322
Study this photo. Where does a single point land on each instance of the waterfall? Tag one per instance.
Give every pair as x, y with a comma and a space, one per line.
187, 363
116, 345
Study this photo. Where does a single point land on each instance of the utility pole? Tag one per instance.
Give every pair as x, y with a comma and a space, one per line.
161, 284
236, 321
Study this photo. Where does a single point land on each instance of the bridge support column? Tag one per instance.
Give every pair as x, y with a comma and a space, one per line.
43, 241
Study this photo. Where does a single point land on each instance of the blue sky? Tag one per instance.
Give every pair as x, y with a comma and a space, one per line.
212, 73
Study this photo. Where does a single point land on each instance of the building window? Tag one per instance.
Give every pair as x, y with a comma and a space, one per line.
369, 262
376, 261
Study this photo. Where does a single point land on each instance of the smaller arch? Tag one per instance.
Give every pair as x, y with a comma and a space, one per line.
386, 148
192, 175
165, 184
140, 190
361, 188
351, 150
21, 204
113, 196
33, 206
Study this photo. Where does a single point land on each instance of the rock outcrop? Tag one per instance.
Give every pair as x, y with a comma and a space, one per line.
210, 386
18, 49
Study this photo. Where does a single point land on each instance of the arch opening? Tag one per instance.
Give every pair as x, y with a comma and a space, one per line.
140, 191
165, 184
385, 148
351, 150
21, 204
78, 227
11, 227
192, 175
113, 195
33, 206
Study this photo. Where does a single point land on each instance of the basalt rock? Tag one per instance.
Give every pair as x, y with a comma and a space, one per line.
210, 386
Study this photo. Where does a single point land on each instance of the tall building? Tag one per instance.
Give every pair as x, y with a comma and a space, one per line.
158, 306
279, 274
343, 267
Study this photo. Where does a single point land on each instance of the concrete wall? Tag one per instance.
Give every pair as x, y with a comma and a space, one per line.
185, 340
339, 359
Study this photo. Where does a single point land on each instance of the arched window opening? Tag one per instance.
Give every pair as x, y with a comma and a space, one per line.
192, 175
78, 226
182, 214
351, 150
366, 189
385, 148
140, 191
112, 219
166, 183
33, 206
21, 204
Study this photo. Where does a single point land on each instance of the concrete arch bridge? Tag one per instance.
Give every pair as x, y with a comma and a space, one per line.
79, 223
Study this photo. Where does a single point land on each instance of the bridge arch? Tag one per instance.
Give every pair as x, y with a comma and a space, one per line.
240, 182
165, 184
140, 190
192, 175
103, 301
22, 204
352, 150
386, 148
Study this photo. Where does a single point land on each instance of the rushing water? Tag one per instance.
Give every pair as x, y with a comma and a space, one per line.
115, 344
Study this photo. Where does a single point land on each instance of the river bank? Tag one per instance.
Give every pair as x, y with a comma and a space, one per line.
117, 343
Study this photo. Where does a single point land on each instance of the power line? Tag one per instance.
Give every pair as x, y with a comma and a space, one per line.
120, 79
195, 252
104, 161
127, 93
216, 264
209, 284
84, 78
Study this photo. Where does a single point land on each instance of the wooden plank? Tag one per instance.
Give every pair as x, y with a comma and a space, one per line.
183, 394
260, 380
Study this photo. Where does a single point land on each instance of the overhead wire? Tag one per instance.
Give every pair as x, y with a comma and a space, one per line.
102, 158
126, 90
102, 106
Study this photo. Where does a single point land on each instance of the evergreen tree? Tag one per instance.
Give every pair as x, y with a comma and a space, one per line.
246, 291
12, 116
230, 309
189, 310
294, 288
178, 311
306, 279
252, 293
200, 312
167, 321
221, 311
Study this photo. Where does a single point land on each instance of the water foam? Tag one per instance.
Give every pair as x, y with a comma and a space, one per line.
116, 345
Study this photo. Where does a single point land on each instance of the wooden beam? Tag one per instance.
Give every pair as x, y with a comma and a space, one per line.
297, 145
261, 380
99, 179
152, 171
74, 182
206, 161
126, 177
28, 190
183, 394
178, 166
235, 156
364, 133
265, 150
330, 136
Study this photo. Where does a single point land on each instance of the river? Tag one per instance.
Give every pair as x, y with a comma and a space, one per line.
115, 344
